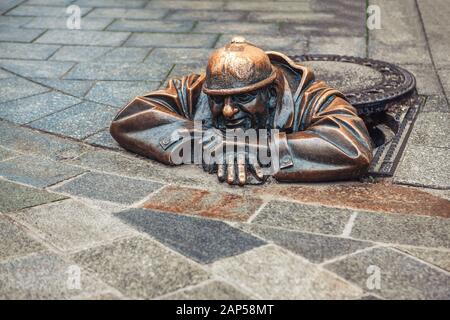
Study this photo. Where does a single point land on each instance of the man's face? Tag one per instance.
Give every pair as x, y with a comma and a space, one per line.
246, 110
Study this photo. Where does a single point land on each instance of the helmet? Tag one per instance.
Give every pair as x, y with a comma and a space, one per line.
238, 67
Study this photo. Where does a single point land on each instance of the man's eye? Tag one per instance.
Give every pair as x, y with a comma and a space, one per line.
244, 98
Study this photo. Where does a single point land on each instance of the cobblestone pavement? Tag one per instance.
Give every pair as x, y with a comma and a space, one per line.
74, 204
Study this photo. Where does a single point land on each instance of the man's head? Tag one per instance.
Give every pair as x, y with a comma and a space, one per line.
239, 85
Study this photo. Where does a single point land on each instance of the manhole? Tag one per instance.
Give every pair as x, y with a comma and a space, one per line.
383, 94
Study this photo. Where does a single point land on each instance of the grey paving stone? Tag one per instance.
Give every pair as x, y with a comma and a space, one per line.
204, 15
43, 11
179, 55
29, 141
267, 6
431, 129
16, 88
14, 241
140, 267
119, 93
445, 78
427, 81
36, 172
78, 88
103, 139
303, 217
79, 53
109, 188
151, 26
401, 277
437, 257
125, 55
84, 37
127, 13
198, 4
236, 27
5, 75
26, 50
8, 4
200, 239
417, 54
171, 40
49, 2
15, 196
117, 71
272, 273
291, 17
59, 23
44, 276
352, 46
28, 109
315, 248
215, 290
290, 43
424, 166
71, 225
402, 229
16, 22
37, 69
78, 122
434, 14
184, 69
112, 3
436, 104
6, 154
19, 35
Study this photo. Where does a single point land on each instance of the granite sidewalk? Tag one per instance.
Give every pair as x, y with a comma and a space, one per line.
80, 218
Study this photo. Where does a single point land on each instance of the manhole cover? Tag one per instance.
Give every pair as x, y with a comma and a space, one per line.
368, 84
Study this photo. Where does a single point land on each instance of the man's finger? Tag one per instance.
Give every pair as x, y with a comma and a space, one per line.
242, 175
256, 168
221, 172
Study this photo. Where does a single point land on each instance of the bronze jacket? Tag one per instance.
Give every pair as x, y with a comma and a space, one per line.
322, 136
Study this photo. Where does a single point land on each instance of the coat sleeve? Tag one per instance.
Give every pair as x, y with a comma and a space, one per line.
146, 125
331, 141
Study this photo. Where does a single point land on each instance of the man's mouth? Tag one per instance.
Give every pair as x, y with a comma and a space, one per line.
236, 123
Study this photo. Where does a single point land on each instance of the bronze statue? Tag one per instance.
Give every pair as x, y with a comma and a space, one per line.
317, 134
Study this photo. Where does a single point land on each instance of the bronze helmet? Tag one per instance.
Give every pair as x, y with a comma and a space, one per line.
238, 67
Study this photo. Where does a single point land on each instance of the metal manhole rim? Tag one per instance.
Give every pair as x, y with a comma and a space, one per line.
397, 82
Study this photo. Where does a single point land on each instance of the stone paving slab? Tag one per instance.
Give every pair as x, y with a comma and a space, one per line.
59, 23
6, 154
427, 81
273, 274
431, 129
79, 53
15, 22
150, 26
200, 239
19, 35
205, 15
16, 50
301, 217
27, 141
79, 121
126, 54
140, 267
401, 277
15, 88
119, 93
43, 276
37, 69
124, 13
32, 108
14, 241
439, 258
77, 88
103, 139
171, 40
215, 290
314, 247
15, 197
43, 11
36, 172
83, 37
112, 3
424, 166
100, 186
116, 71
226, 206
402, 229
71, 225
198, 4
175, 55
351, 46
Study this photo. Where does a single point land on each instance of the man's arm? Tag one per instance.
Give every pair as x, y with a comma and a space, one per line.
147, 124
333, 142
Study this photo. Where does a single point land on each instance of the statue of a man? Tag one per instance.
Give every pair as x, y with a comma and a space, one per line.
317, 134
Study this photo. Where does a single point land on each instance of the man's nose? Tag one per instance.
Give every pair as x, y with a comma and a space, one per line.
228, 109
